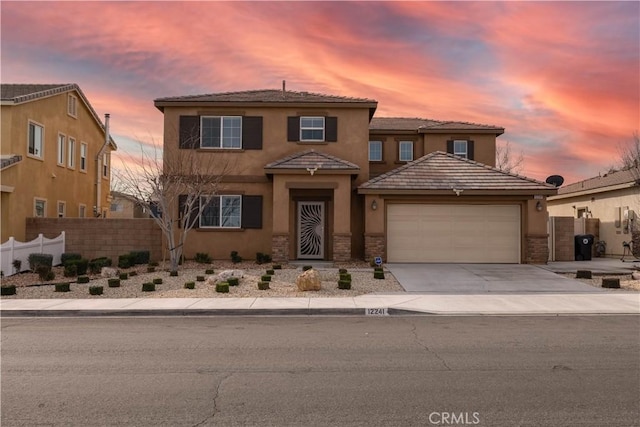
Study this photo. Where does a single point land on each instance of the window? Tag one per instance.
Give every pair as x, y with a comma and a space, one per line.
406, 151
117, 207
71, 155
61, 143
460, 148
62, 209
72, 106
375, 151
36, 140
82, 211
40, 208
311, 128
221, 211
83, 156
105, 166
221, 132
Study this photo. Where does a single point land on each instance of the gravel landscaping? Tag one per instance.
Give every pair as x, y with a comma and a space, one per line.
626, 282
283, 283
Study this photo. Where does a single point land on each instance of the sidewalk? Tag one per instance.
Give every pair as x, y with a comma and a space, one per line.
372, 304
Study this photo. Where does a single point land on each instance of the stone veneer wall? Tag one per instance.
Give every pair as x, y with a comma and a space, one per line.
537, 247
280, 247
635, 239
374, 246
93, 237
341, 247
564, 235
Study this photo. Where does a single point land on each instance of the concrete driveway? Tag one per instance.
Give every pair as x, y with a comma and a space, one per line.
481, 278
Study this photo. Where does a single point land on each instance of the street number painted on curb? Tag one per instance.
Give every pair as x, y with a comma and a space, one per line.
376, 311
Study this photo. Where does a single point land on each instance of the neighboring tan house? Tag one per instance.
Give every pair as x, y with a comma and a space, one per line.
613, 198
317, 178
125, 206
55, 162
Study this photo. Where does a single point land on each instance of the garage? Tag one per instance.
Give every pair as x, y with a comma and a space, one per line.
458, 233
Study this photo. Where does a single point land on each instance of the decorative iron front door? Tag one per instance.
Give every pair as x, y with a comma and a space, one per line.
311, 230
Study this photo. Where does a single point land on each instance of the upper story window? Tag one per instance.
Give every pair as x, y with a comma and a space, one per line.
62, 209
82, 211
311, 128
40, 208
61, 143
105, 165
405, 151
71, 153
375, 151
221, 211
460, 148
36, 140
83, 156
72, 106
221, 132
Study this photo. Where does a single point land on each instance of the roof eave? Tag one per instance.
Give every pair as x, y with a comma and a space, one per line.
594, 191
304, 171
495, 131
161, 104
449, 192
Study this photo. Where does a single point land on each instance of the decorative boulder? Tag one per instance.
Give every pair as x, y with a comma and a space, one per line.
223, 276
635, 275
309, 281
108, 272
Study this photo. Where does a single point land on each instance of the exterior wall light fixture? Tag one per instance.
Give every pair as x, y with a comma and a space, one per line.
374, 205
539, 206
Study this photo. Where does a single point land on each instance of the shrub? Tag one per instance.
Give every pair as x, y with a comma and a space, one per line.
124, 276
378, 269
37, 260
126, 261
45, 273
345, 277
262, 258
613, 283
17, 264
70, 270
62, 287
263, 286
113, 283
276, 267
233, 281
153, 264
151, 269
8, 290
173, 273
307, 267
190, 285
69, 256
235, 258
583, 274
95, 290
209, 271
378, 275
265, 278
344, 284
200, 278
222, 288
133, 273
96, 264
81, 265
148, 287
157, 281
83, 279
139, 257
342, 271
271, 272
203, 258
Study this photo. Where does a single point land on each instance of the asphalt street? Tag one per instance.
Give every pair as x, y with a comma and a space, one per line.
321, 371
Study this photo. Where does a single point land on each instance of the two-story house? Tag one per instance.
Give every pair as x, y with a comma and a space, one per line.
56, 160
318, 177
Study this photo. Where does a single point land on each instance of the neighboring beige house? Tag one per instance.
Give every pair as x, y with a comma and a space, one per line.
319, 177
613, 198
125, 206
55, 162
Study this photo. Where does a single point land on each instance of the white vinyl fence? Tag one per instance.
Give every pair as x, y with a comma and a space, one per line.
12, 250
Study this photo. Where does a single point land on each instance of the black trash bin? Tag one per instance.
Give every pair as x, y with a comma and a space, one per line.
584, 243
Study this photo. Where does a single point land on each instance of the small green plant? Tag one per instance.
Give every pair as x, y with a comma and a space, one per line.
209, 271
17, 264
263, 286
157, 281
8, 290
262, 258
96, 264
153, 264
151, 269
342, 271
173, 273
62, 287
235, 258
70, 270
148, 287
611, 282
344, 284
126, 260
200, 278
37, 260
190, 285
307, 267
83, 279
203, 258
233, 281
124, 276
583, 274
276, 267
378, 275
95, 290
139, 257
45, 273
113, 283
133, 273
222, 288
345, 277
80, 264
265, 278
271, 272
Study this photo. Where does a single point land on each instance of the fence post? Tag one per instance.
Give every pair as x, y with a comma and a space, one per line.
41, 241
11, 245
64, 242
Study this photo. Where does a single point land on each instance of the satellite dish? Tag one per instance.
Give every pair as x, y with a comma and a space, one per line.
556, 180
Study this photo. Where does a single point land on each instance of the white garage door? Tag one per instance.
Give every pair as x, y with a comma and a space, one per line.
453, 233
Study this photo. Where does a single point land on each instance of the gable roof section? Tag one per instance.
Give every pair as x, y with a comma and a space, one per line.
441, 173
311, 159
16, 94
429, 126
608, 182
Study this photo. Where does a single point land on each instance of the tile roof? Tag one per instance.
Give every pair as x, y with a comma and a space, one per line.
628, 176
443, 171
426, 125
312, 159
267, 96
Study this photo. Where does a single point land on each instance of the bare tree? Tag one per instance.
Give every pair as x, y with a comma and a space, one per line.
630, 156
506, 161
185, 179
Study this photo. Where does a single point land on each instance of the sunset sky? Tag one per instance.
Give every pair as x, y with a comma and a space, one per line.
561, 77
